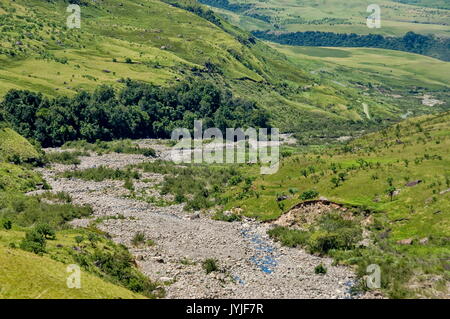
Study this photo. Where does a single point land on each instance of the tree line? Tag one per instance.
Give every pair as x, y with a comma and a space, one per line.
411, 42
138, 110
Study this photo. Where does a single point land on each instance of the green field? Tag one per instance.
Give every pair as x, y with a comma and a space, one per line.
342, 16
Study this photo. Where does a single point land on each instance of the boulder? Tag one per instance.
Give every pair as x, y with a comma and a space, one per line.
413, 183
407, 241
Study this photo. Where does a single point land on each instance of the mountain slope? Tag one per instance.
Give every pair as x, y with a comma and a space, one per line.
161, 43
25, 275
397, 17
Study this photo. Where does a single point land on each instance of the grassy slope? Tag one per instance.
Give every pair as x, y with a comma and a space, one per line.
406, 75
165, 43
418, 150
26, 275
12, 144
15, 177
397, 18
401, 67
29, 276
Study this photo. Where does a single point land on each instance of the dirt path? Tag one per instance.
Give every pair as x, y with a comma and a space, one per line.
254, 266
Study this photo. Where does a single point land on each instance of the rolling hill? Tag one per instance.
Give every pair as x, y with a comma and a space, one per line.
398, 16
164, 43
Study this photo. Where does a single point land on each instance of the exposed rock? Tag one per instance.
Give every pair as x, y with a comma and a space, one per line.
413, 183
407, 241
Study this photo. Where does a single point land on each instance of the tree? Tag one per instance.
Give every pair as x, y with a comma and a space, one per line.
391, 191
335, 181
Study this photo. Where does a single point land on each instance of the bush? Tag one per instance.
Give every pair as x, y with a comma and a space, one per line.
320, 269
226, 218
46, 231
210, 265
101, 173
289, 237
138, 239
128, 184
311, 194
33, 242
79, 239
7, 224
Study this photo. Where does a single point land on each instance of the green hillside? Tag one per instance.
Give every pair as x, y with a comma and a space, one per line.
25, 275
14, 147
398, 17
120, 41
38, 224
400, 177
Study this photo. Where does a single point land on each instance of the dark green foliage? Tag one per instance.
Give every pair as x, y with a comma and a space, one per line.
320, 269
330, 232
46, 231
34, 242
210, 265
7, 224
116, 146
311, 194
137, 111
31, 210
67, 158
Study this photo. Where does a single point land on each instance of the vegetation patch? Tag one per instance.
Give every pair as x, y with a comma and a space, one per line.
101, 173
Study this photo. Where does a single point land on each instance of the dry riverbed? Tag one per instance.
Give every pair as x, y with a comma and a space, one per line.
251, 264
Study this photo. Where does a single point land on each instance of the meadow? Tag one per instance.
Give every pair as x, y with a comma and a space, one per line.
398, 17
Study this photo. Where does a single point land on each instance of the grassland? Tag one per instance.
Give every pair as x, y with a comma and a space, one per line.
14, 147
398, 17
28, 276
40, 54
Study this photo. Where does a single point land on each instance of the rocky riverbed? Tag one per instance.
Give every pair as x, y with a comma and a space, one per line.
251, 264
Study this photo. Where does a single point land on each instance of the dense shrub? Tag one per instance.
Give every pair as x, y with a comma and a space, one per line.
320, 269
67, 158
210, 265
311, 194
31, 210
330, 232
289, 237
34, 242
